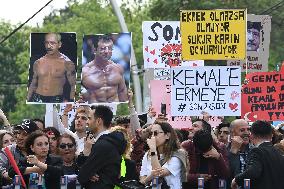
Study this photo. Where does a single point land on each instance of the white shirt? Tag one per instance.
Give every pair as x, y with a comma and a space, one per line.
173, 166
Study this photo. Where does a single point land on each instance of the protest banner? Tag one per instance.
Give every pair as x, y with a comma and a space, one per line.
215, 90
162, 44
263, 96
213, 34
258, 39
160, 91
165, 73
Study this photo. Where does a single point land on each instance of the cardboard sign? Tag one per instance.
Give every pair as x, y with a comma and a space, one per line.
161, 94
215, 90
165, 74
263, 96
162, 44
258, 39
213, 34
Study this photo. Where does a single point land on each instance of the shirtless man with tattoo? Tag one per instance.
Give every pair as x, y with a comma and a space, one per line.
50, 73
102, 78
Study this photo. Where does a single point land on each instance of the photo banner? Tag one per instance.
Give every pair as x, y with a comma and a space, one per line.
213, 34
216, 90
263, 96
162, 44
258, 39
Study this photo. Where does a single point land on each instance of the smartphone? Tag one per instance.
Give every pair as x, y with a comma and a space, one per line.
163, 109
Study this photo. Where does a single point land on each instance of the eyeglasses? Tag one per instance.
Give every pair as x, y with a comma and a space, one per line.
63, 146
155, 133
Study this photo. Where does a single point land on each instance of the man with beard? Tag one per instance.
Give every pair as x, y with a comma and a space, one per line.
239, 146
50, 73
102, 78
18, 150
101, 169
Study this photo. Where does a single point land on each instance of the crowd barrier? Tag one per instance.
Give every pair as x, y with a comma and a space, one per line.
36, 182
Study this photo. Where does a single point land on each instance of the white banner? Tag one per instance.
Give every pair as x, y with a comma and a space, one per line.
162, 45
216, 90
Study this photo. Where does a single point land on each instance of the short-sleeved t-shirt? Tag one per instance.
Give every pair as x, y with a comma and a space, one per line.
173, 165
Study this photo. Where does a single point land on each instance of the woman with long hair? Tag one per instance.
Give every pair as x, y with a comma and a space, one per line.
164, 165
40, 161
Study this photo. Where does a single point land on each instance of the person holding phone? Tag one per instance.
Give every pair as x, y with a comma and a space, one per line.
164, 160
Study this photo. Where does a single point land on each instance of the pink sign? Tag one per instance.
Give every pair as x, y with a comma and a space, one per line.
161, 94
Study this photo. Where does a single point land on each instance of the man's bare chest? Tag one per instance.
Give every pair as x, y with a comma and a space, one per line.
54, 68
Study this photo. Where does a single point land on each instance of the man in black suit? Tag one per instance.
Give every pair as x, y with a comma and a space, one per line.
101, 167
265, 164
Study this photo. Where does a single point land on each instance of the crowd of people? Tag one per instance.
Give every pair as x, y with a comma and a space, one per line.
104, 152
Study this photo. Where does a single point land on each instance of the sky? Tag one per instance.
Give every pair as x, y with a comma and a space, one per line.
18, 11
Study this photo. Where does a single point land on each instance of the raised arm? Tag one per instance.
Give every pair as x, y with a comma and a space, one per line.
34, 83
71, 77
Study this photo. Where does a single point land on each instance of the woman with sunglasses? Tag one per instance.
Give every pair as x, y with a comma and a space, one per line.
164, 165
67, 149
40, 161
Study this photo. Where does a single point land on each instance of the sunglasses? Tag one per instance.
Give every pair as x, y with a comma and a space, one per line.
63, 146
155, 133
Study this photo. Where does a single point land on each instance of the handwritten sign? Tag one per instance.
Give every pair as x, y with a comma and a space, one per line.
164, 97
215, 90
258, 39
161, 44
213, 34
263, 96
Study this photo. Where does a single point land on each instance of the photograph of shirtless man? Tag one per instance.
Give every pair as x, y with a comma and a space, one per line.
103, 79
53, 75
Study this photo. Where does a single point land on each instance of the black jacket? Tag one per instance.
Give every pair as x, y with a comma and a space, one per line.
52, 174
104, 161
265, 167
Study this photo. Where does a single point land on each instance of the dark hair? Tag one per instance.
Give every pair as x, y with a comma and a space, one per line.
262, 129
172, 144
103, 112
254, 25
203, 140
39, 120
120, 120
2, 136
65, 135
206, 126
52, 129
102, 38
221, 125
31, 138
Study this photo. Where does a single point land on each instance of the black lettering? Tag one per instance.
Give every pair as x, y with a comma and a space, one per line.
175, 77
168, 32
156, 24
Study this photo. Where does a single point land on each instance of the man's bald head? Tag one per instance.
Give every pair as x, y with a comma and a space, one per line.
237, 123
240, 127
